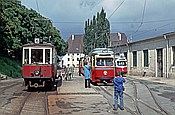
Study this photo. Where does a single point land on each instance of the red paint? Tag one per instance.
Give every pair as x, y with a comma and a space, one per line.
121, 69
97, 74
45, 70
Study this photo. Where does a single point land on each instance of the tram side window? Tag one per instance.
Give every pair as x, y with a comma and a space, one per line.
47, 56
26, 56
37, 55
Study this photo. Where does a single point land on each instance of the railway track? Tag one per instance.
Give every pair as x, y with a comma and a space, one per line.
7, 85
139, 86
106, 91
24, 103
139, 104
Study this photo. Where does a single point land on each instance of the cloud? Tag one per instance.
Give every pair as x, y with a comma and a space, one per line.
76, 12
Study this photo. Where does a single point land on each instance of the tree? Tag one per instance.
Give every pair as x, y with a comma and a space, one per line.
20, 25
96, 32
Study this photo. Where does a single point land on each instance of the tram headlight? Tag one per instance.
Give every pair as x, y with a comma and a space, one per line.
36, 72
105, 73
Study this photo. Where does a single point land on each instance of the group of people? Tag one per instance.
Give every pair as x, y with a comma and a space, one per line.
118, 82
69, 71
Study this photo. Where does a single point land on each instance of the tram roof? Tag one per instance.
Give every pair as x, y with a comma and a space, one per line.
101, 51
38, 44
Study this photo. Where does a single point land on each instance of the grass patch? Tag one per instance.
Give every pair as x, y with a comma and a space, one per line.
10, 67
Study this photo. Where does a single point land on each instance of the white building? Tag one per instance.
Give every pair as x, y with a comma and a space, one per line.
75, 51
155, 55
72, 58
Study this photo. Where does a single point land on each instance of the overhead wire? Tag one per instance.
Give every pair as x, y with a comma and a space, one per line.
116, 9
141, 23
151, 21
155, 29
70, 22
115, 22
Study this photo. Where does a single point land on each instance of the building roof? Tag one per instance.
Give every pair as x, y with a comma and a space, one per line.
169, 35
118, 39
75, 44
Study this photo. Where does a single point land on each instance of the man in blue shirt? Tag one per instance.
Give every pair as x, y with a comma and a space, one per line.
118, 91
87, 74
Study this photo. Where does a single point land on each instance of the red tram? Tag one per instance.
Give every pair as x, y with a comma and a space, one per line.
121, 63
102, 64
39, 62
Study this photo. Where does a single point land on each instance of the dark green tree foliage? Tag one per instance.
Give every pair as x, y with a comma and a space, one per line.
20, 25
96, 32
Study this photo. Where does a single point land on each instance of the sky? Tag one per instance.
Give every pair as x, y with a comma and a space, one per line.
138, 19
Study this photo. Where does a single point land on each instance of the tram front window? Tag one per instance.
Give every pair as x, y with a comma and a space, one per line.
104, 62
37, 56
100, 62
121, 63
109, 62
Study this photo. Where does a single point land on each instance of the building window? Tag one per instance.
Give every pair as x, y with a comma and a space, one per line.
173, 49
135, 58
77, 59
145, 55
68, 59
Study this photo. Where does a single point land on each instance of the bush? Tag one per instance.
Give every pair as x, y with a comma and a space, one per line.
10, 67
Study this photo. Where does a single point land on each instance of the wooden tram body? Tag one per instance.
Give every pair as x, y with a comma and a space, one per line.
39, 62
102, 65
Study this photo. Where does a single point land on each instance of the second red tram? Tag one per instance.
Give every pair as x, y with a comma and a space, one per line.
102, 65
39, 62
121, 63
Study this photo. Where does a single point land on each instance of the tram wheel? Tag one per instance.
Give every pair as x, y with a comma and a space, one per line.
53, 87
29, 88
59, 81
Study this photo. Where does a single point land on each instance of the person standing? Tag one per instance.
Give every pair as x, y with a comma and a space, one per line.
65, 72
87, 76
73, 70
118, 91
69, 68
80, 70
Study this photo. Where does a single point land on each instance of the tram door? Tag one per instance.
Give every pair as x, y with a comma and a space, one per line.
159, 62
